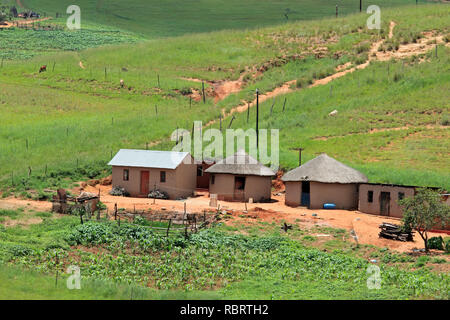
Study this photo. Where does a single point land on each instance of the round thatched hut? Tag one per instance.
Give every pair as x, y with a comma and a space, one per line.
323, 180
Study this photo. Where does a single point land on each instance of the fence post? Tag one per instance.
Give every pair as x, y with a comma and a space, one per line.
168, 228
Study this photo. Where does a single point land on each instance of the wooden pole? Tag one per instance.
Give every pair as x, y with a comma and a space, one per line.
336, 11
284, 104
248, 112
203, 92
360, 5
299, 155
168, 228
257, 119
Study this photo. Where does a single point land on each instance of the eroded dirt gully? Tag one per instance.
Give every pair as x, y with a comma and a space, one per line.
9, 24
222, 89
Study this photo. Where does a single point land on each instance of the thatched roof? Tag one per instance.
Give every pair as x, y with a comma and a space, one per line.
325, 169
241, 163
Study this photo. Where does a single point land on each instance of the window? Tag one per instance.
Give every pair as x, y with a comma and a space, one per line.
213, 179
369, 196
401, 195
162, 176
126, 174
199, 171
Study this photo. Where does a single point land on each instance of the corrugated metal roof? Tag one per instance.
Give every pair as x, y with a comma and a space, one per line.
148, 159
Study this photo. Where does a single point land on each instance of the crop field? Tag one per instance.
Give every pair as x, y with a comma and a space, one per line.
19, 43
215, 263
157, 19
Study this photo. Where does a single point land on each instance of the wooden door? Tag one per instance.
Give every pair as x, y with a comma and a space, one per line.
385, 203
145, 177
239, 188
305, 195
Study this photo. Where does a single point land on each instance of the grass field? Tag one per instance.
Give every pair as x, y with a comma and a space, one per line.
156, 19
245, 261
65, 124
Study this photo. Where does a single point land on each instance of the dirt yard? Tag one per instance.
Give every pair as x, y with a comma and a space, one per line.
365, 225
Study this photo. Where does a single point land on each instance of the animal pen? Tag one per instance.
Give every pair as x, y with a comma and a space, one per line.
165, 223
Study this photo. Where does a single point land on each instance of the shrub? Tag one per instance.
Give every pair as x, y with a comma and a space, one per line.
158, 194
119, 192
436, 243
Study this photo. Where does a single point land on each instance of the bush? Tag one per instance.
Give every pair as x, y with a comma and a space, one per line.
158, 194
436, 243
447, 245
119, 192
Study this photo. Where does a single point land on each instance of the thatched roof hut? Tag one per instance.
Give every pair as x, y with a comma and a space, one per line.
242, 164
323, 180
240, 177
326, 170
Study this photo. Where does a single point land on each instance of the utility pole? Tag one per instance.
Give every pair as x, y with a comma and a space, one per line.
257, 119
360, 5
299, 155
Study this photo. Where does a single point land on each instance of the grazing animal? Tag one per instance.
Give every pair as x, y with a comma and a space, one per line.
42, 69
122, 83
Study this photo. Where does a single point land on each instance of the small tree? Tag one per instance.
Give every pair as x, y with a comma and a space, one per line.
423, 212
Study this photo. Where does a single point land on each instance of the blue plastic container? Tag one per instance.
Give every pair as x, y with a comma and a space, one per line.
329, 206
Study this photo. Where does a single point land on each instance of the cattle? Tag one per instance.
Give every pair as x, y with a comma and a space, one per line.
42, 69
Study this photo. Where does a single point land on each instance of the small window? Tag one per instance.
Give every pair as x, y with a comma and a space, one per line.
199, 171
370, 196
162, 176
213, 179
401, 195
126, 174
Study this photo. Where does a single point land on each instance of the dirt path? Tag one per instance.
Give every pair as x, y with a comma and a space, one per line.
407, 50
375, 130
10, 24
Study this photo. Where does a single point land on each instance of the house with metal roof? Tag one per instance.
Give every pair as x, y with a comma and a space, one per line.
323, 180
141, 171
240, 177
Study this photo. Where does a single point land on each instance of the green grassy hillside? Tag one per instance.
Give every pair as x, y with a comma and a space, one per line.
72, 116
157, 19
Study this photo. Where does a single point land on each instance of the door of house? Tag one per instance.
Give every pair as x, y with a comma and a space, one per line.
239, 189
305, 200
385, 203
145, 177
